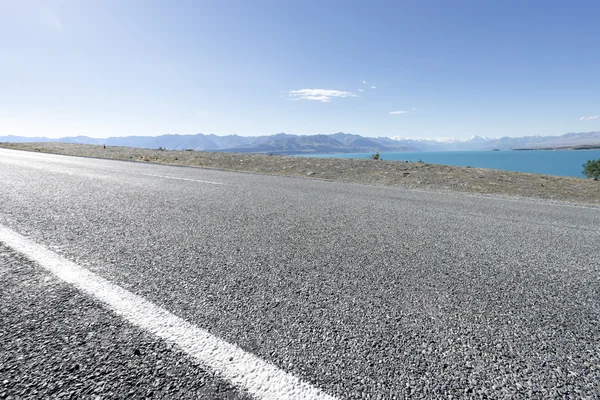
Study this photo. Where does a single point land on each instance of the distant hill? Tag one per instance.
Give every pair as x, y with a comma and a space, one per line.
283, 143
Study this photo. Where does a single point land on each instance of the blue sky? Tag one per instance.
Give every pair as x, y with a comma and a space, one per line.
375, 68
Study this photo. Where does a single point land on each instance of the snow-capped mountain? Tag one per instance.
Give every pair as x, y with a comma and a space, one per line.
504, 143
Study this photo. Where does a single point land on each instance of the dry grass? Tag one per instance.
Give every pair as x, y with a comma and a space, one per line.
378, 172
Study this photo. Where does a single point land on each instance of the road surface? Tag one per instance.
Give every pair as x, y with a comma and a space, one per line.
348, 291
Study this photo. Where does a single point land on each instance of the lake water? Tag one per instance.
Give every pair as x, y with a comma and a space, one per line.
550, 162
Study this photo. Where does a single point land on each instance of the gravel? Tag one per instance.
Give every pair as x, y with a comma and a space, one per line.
381, 173
364, 291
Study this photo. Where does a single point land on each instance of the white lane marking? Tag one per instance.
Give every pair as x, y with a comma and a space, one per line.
181, 179
260, 378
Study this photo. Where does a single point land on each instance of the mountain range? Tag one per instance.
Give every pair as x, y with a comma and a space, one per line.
283, 143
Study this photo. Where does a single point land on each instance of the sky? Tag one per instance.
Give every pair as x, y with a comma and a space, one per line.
418, 69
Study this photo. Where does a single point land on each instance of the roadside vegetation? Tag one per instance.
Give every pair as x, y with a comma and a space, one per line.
591, 169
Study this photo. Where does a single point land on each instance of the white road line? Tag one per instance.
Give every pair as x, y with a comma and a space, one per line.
181, 179
260, 378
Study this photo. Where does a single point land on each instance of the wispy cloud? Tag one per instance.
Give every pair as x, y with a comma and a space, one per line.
50, 19
364, 81
593, 117
373, 87
400, 112
322, 95
360, 90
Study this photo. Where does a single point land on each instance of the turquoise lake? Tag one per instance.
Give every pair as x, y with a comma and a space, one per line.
550, 162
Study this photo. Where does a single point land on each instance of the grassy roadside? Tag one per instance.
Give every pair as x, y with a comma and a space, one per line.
385, 173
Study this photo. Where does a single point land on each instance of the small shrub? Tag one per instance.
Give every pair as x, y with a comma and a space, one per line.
591, 169
375, 156
421, 161
161, 149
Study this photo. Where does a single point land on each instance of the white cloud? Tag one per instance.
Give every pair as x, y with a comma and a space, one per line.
373, 87
360, 90
400, 112
364, 81
593, 117
50, 19
322, 95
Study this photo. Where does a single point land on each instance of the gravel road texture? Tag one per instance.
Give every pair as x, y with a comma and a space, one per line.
57, 343
383, 173
363, 291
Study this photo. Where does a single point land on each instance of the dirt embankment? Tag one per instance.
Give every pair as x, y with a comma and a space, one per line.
377, 172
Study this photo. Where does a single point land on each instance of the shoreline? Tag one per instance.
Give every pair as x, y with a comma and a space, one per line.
414, 175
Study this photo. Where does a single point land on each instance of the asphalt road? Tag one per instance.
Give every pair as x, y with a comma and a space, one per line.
57, 343
362, 291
